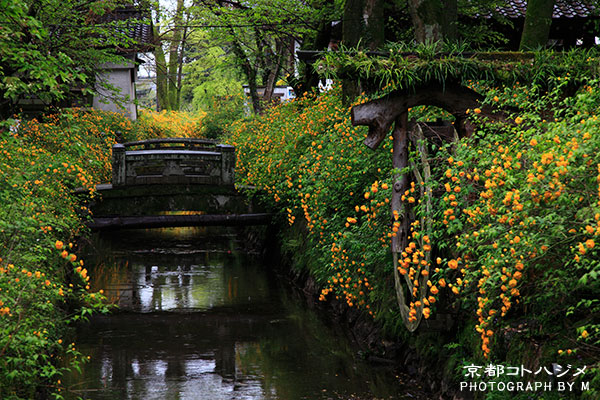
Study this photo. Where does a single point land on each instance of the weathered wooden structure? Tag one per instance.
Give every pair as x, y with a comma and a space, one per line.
173, 161
391, 112
444, 80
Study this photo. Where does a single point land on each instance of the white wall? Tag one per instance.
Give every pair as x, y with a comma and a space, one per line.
122, 77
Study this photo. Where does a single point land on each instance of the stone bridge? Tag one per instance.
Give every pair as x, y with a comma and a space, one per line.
173, 161
172, 182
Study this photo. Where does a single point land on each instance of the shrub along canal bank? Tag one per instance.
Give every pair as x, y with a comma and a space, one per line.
43, 281
508, 231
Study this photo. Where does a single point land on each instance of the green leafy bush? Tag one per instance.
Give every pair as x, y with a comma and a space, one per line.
43, 284
221, 113
510, 236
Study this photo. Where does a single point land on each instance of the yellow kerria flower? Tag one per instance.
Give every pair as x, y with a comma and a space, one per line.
584, 334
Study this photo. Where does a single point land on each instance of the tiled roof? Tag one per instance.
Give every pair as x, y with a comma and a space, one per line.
562, 9
140, 29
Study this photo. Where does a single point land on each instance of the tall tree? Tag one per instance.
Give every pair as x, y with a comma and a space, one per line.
171, 31
176, 56
161, 73
210, 73
261, 35
536, 28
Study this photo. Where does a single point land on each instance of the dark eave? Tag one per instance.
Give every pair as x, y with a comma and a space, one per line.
138, 29
562, 9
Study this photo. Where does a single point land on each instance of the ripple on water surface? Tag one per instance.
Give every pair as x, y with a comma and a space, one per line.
201, 319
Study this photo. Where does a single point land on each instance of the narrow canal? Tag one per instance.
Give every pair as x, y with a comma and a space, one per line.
201, 318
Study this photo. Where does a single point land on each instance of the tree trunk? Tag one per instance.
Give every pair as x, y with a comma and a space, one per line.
363, 23
434, 20
274, 71
249, 72
174, 49
180, 67
352, 25
374, 34
362, 27
253, 87
162, 95
536, 28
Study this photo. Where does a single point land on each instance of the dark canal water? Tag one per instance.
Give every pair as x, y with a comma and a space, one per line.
201, 319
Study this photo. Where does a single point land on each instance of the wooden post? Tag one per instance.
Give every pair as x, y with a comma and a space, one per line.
400, 240
227, 163
400, 162
118, 165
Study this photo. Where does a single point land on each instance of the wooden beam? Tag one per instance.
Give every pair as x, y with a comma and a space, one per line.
170, 221
380, 114
401, 185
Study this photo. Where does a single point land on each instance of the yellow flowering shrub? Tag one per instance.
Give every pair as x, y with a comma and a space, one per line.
513, 226
42, 161
153, 124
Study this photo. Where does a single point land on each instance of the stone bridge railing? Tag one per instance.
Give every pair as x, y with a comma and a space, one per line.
173, 161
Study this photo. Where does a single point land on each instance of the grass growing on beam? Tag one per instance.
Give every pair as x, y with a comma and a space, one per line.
406, 68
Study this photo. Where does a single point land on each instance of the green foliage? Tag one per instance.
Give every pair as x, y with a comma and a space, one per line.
481, 35
212, 85
43, 285
211, 74
259, 38
407, 67
515, 217
220, 114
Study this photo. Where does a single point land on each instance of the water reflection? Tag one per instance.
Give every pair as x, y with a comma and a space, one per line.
209, 324
202, 282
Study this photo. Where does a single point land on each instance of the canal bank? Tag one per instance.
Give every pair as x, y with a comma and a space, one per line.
203, 316
422, 358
